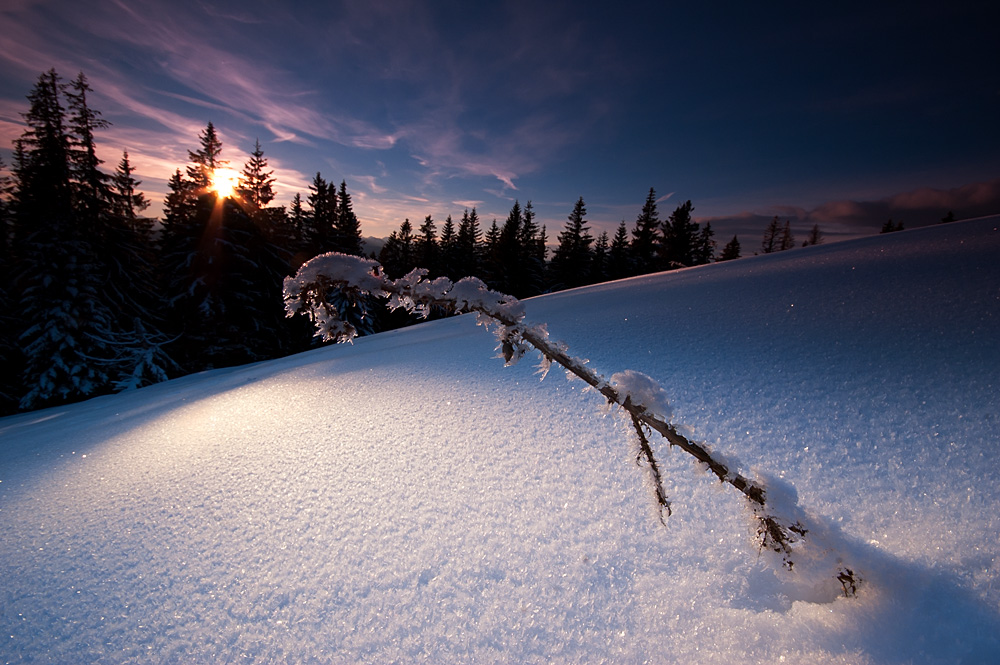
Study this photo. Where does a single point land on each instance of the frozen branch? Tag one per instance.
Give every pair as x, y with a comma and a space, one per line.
309, 292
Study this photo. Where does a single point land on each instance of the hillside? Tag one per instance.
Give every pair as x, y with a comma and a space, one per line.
409, 498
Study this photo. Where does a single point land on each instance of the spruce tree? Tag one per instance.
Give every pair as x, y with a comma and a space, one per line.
389, 255
93, 190
620, 262
532, 278
426, 247
449, 249
256, 183
772, 237
297, 221
65, 327
491, 254
572, 258
815, 237
321, 235
348, 228
787, 239
205, 159
679, 243
599, 263
469, 258
398, 255
122, 255
705, 245
507, 258
128, 199
645, 237
141, 350
731, 250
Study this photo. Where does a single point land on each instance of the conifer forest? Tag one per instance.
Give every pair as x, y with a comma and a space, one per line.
96, 297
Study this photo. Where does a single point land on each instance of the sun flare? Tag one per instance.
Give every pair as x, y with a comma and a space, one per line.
224, 182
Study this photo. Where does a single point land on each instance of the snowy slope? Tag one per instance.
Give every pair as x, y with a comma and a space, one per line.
408, 498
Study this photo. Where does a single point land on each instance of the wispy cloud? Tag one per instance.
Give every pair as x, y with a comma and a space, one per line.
218, 68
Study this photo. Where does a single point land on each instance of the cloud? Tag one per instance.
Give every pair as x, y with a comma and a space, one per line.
211, 65
846, 219
370, 183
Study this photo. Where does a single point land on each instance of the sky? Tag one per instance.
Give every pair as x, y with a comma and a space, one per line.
842, 116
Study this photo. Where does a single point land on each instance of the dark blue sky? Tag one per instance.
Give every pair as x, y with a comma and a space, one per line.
841, 115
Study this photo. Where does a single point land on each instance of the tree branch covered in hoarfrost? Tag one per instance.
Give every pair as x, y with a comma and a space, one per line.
781, 525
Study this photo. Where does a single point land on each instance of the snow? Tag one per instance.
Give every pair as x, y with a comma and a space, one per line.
409, 498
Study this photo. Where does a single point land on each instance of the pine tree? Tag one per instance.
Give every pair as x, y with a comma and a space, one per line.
506, 258
140, 352
426, 247
645, 235
65, 326
256, 183
449, 249
129, 200
469, 259
321, 235
348, 228
815, 237
121, 260
398, 256
891, 227
599, 262
205, 159
731, 250
705, 246
297, 219
532, 278
93, 190
679, 242
491, 246
42, 165
620, 262
572, 258
787, 239
772, 237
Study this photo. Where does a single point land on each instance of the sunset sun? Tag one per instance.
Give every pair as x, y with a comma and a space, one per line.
224, 182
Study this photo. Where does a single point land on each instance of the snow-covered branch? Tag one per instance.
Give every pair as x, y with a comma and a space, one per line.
781, 525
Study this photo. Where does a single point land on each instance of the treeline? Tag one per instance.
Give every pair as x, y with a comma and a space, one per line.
97, 298
513, 256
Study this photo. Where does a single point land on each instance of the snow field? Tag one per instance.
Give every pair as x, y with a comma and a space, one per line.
410, 499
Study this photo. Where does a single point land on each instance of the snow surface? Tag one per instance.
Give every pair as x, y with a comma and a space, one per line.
408, 498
